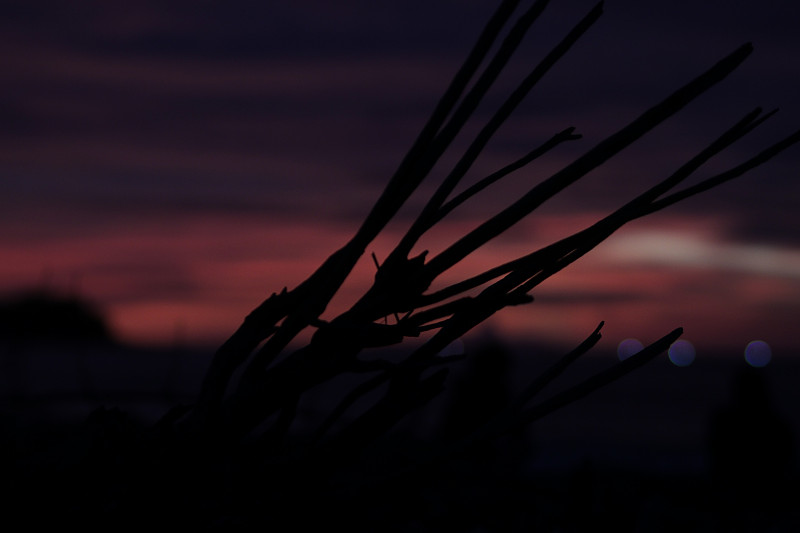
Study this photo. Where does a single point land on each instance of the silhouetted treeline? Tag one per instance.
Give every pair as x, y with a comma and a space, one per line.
41, 315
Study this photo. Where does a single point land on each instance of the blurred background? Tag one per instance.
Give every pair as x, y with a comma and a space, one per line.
177, 162
166, 166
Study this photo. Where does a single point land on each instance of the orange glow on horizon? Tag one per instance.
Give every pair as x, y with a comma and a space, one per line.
194, 281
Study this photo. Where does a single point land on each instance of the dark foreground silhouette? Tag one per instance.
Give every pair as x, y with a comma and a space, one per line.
752, 456
245, 453
42, 316
114, 468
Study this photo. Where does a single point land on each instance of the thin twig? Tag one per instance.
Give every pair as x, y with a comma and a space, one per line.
429, 212
584, 164
600, 380
563, 136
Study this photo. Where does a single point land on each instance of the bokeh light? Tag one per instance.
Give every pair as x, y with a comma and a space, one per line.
628, 347
681, 353
758, 354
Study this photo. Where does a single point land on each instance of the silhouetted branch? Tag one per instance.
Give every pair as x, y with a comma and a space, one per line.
421, 157
274, 381
429, 213
257, 326
561, 253
719, 179
602, 379
376, 381
589, 161
311, 298
558, 138
554, 371
246, 443
509, 417
407, 391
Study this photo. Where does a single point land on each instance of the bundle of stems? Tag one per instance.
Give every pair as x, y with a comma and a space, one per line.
272, 377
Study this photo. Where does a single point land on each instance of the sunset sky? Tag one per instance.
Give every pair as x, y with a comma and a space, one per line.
176, 162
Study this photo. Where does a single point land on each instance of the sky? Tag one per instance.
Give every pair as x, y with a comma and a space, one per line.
177, 162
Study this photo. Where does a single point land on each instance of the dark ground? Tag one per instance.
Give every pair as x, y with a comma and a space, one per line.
664, 447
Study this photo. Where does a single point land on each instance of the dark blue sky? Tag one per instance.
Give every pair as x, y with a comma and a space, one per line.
180, 160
